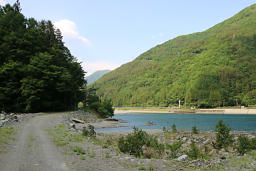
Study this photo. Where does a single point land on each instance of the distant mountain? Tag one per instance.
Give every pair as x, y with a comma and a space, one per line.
95, 76
216, 67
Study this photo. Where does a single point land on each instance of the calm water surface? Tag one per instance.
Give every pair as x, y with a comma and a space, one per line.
186, 121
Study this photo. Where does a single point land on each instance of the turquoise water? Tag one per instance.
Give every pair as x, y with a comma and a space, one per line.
186, 121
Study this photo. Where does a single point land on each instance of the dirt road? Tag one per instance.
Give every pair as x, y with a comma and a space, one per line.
33, 149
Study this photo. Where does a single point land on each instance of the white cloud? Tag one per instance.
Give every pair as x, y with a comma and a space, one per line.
91, 67
2, 2
69, 30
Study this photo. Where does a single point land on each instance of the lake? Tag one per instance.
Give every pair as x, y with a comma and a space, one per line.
186, 121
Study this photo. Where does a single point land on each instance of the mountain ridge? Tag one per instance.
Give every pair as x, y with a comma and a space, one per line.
96, 75
204, 68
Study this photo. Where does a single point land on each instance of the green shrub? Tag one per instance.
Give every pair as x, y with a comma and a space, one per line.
141, 168
158, 148
194, 152
78, 150
223, 136
135, 142
253, 143
194, 130
174, 149
165, 129
107, 155
174, 129
150, 167
244, 145
80, 105
103, 108
89, 132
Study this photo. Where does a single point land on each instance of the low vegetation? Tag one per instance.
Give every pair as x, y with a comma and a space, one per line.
174, 149
194, 152
245, 144
139, 143
174, 129
92, 102
6, 136
195, 130
223, 136
89, 132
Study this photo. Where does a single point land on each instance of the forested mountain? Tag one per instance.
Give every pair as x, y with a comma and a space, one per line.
95, 76
37, 72
216, 67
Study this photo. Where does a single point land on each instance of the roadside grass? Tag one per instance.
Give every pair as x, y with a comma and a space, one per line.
62, 136
6, 136
78, 150
141, 167
107, 155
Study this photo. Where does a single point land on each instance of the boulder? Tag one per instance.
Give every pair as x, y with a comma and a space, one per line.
184, 139
207, 141
72, 125
213, 152
183, 157
2, 116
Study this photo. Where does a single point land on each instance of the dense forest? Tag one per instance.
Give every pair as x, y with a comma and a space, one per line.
206, 69
37, 72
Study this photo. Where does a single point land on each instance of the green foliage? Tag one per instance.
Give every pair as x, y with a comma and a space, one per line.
194, 130
165, 129
174, 149
174, 129
194, 152
103, 107
253, 143
37, 72
245, 144
89, 132
6, 136
78, 150
80, 105
133, 144
107, 155
141, 167
150, 167
207, 69
223, 136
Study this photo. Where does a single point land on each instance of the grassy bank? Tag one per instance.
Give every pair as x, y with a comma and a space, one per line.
6, 136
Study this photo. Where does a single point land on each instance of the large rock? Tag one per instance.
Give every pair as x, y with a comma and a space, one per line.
2, 116
183, 157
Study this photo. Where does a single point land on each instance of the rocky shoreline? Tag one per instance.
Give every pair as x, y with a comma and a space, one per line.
80, 119
223, 159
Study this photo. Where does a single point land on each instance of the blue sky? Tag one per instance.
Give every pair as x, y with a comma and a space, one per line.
105, 34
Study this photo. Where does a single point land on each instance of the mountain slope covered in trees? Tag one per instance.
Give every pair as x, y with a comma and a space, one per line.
95, 76
37, 72
211, 68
